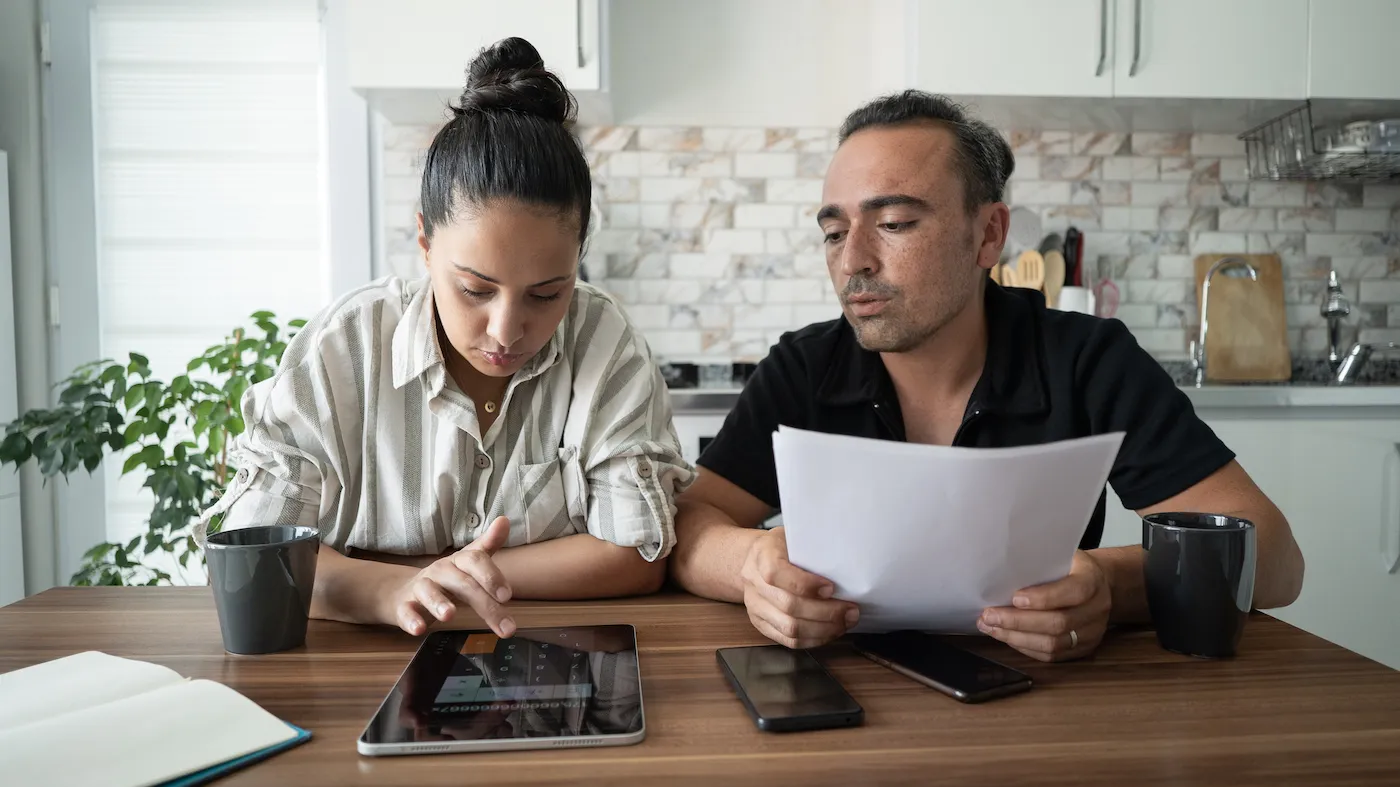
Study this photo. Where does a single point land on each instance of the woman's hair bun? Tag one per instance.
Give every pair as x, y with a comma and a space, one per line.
509, 76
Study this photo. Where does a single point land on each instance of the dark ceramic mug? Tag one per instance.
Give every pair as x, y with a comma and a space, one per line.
1199, 573
262, 579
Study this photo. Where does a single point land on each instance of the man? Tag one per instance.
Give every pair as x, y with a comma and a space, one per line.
929, 350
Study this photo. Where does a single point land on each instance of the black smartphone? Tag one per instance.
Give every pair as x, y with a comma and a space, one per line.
938, 664
787, 690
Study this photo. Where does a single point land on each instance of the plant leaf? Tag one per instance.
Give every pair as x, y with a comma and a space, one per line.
237, 386
51, 463
14, 449
98, 552
186, 486
149, 456
74, 394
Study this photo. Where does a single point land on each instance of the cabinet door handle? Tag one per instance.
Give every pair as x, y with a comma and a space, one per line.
578, 30
1137, 37
1390, 511
1103, 37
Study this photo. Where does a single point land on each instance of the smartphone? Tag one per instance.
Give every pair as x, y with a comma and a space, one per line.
787, 690
934, 662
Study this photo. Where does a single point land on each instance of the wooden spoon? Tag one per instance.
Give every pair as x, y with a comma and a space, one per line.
1054, 277
1030, 270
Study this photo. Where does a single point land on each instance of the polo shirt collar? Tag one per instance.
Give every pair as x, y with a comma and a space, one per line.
1012, 382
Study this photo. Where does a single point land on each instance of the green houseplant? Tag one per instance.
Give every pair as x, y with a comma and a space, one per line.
175, 434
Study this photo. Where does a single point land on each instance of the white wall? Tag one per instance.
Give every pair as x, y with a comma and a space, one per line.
11, 536
666, 69
20, 137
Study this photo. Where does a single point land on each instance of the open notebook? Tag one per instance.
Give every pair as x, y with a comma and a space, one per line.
92, 719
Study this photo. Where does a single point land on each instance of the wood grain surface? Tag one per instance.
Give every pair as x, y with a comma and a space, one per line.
1248, 336
1291, 709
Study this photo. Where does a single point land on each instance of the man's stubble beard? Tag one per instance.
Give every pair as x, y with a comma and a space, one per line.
896, 330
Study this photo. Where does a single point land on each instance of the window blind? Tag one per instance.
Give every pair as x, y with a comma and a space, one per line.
208, 146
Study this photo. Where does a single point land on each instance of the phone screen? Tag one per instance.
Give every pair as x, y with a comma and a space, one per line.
781, 683
941, 663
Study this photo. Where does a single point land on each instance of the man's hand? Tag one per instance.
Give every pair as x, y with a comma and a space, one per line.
1041, 622
467, 576
788, 605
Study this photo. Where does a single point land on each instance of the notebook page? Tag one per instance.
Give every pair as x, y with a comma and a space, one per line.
142, 740
74, 682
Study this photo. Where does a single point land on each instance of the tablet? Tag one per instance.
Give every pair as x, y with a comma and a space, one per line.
542, 688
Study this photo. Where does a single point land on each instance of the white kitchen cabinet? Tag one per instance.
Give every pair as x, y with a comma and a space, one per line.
1211, 49
1352, 49
1246, 49
696, 430
1342, 498
1336, 477
406, 52
1013, 47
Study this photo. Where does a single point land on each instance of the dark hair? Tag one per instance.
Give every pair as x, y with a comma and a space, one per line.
982, 158
509, 138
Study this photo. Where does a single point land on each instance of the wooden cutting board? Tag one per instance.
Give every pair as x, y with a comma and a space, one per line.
1248, 338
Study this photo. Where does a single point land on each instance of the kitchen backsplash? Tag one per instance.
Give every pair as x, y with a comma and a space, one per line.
709, 235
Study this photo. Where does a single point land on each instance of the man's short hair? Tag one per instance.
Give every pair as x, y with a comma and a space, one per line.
982, 158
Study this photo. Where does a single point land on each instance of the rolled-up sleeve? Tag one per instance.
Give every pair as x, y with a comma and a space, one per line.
284, 476
631, 454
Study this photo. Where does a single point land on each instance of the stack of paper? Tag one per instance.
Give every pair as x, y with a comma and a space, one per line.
91, 719
926, 537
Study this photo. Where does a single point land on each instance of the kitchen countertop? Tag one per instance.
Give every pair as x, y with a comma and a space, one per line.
1378, 385
719, 400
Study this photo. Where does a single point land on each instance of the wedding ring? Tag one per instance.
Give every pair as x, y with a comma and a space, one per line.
1073, 639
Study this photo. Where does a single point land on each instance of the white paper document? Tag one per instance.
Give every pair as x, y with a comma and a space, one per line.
926, 537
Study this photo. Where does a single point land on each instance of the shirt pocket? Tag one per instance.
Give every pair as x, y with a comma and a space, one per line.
543, 503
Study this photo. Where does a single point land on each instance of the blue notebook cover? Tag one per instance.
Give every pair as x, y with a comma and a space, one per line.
229, 766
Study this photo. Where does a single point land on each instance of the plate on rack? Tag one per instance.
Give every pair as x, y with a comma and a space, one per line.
1367, 136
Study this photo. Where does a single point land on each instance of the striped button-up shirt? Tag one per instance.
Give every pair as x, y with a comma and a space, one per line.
363, 434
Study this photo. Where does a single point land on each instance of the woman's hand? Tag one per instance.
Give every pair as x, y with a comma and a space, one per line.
467, 577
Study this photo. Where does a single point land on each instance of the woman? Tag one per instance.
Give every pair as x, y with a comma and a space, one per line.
498, 419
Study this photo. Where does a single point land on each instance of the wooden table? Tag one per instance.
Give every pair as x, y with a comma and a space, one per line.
1291, 709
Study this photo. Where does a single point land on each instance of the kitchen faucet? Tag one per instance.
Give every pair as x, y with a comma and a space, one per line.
1198, 347
1335, 307
1355, 360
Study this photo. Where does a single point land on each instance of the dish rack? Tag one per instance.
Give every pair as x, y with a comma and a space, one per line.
1291, 147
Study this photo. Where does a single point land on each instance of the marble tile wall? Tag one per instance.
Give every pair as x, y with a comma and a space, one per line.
708, 235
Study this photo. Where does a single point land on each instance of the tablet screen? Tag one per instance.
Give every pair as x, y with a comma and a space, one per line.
540, 683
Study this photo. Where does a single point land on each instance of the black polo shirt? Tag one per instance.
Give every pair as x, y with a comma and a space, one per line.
1049, 375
